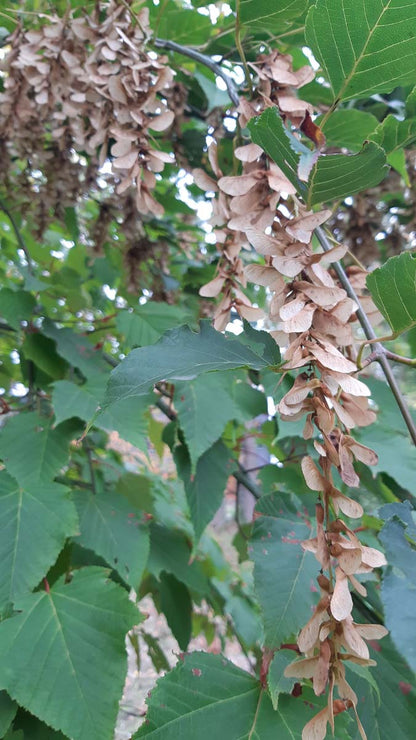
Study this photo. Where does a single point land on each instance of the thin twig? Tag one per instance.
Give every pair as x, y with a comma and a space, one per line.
240, 48
90, 465
202, 59
375, 356
19, 237
370, 334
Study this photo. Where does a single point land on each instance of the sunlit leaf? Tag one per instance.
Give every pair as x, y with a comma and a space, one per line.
364, 48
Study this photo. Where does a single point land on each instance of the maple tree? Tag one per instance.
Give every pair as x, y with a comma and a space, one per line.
207, 224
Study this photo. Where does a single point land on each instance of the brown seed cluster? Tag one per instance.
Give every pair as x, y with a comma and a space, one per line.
78, 92
311, 317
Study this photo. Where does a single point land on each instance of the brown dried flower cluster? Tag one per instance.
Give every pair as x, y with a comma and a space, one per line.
72, 87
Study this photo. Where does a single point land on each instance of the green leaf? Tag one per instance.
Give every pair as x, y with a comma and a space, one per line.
261, 342
206, 691
205, 488
284, 574
180, 354
32, 451
63, 657
349, 128
261, 14
170, 552
75, 349
176, 604
35, 521
339, 175
276, 681
398, 592
146, 324
33, 729
333, 176
395, 715
243, 612
393, 290
269, 132
112, 528
16, 306
41, 350
156, 654
204, 406
127, 417
389, 438
183, 25
8, 709
364, 48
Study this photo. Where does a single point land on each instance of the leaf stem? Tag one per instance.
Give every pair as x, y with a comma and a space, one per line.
240, 49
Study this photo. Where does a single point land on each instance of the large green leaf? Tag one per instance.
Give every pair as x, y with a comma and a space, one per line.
261, 14
205, 488
393, 290
364, 47
32, 451
206, 691
112, 528
392, 712
63, 657
284, 574
35, 520
180, 354
147, 323
127, 417
332, 177
398, 592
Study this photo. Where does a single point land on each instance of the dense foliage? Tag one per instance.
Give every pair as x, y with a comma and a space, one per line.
207, 222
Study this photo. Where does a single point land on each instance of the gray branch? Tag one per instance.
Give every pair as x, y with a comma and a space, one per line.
202, 59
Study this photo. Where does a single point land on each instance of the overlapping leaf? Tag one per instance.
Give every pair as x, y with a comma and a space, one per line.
205, 488
35, 520
127, 417
364, 47
148, 322
349, 128
332, 177
258, 14
32, 451
283, 572
179, 355
112, 528
393, 290
63, 657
